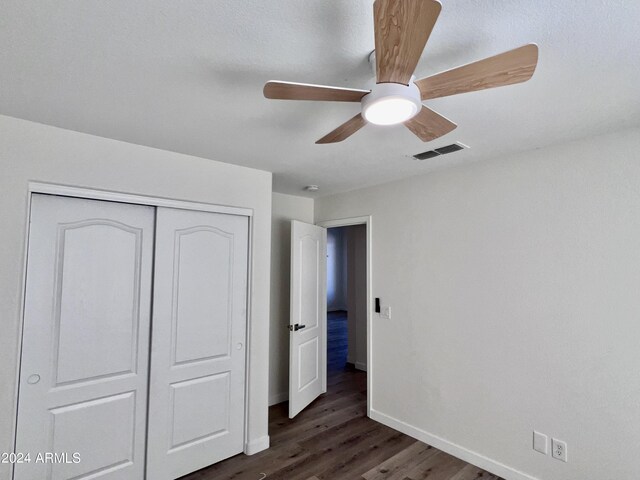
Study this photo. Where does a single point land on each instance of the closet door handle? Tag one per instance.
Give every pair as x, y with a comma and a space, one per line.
296, 327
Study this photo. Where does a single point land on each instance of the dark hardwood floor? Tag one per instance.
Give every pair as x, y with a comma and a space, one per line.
333, 439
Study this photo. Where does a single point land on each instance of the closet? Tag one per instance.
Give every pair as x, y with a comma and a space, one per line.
133, 347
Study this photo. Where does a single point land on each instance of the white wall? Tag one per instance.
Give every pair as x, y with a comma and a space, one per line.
336, 269
30, 151
285, 208
515, 294
356, 261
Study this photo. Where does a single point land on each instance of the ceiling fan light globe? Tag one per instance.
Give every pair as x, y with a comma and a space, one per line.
391, 103
390, 111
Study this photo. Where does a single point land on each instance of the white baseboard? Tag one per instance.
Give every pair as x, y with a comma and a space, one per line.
462, 453
257, 445
361, 366
277, 398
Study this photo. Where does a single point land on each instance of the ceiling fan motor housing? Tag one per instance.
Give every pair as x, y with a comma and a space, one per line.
391, 103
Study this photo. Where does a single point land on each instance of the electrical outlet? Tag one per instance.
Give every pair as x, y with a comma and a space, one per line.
559, 449
540, 443
386, 313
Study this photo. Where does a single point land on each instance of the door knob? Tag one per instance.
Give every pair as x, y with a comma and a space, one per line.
239, 346
296, 327
33, 379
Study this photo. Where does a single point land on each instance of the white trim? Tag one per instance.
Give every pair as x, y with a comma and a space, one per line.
360, 366
257, 445
96, 194
277, 398
247, 352
251, 447
345, 222
368, 221
451, 448
23, 282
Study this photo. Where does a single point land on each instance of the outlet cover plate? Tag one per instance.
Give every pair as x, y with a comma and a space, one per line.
559, 449
540, 443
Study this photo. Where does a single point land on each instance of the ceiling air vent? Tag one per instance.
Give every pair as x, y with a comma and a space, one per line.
440, 151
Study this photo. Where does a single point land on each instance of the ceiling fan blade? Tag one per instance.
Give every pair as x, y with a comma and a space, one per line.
514, 66
304, 91
344, 131
402, 28
429, 125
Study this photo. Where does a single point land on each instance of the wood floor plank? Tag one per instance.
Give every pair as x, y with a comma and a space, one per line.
439, 467
251, 467
333, 439
471, 472
354, 428
397, 466
340, 451
362, 459
314, 426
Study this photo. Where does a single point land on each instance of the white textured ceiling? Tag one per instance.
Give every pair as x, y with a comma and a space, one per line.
187, 76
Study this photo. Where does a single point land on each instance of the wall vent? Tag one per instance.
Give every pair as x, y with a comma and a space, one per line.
440, 151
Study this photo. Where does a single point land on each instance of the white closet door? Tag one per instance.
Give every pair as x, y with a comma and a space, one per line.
84, 370
197, 387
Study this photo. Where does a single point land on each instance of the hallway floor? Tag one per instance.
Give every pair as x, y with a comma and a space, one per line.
333, 439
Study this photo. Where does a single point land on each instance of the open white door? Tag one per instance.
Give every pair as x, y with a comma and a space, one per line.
308, 323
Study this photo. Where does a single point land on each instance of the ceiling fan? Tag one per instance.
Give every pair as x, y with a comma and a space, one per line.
402, 28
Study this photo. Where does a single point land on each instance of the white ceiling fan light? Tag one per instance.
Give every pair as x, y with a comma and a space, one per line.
391, 103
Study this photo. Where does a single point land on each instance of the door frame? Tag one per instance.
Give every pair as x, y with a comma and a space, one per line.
366, 220
34, 187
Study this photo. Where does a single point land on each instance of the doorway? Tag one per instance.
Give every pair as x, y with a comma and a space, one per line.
347, 298
347, 307
308, 319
